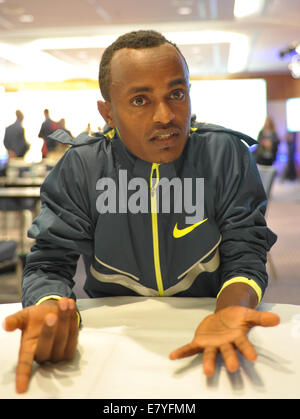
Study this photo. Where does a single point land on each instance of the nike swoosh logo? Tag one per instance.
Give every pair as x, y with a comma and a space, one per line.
184, 231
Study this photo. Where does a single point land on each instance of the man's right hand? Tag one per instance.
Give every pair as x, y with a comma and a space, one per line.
49, 333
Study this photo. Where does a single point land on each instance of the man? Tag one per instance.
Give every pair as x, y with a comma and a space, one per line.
14, 138
130, 247
62, 125
47, 128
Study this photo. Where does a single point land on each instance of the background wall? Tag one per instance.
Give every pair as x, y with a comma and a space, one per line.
280, 87
76, 101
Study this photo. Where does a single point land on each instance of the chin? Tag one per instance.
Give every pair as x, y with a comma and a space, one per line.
168, 156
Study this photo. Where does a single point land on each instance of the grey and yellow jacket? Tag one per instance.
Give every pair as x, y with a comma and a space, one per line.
151, 252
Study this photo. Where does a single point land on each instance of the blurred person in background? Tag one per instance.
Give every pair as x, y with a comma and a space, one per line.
268, 141
54, 154
14, 138
62, 125
47, 128
290, 172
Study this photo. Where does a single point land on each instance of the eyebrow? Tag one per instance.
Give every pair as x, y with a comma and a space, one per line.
177, 81
139, 89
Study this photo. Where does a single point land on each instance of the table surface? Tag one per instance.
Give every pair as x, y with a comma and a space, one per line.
123, 354
20, 192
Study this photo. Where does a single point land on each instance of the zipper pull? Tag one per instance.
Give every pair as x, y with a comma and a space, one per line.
154, 183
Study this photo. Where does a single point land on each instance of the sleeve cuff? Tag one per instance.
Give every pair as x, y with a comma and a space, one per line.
48, 297
243, 280
56, 297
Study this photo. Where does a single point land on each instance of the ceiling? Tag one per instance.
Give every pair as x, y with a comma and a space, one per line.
63, 39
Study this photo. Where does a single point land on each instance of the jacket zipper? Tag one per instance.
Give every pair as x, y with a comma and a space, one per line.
155, 237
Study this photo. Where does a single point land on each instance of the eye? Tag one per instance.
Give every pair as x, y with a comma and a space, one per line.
139, 101
177, 95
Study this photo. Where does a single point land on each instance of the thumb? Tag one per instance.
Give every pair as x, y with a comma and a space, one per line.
13, 322
269, 319
262, 318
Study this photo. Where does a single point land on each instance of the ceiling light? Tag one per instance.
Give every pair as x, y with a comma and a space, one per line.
238, 50
294, 66
244, 8
36, 64
200, 37
238, 53
293, 54
102, 41
26, 18
239, 44
184, 11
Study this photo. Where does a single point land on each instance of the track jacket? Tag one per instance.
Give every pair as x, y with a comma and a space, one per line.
149, 253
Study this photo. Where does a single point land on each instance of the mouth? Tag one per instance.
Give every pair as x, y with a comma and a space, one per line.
165, 138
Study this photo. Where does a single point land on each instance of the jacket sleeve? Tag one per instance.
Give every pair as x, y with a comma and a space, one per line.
240, 214
62, 232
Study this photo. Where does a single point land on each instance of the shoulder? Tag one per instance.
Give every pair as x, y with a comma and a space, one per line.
216, 137
11, 127
84, 142
214, 149
87, 152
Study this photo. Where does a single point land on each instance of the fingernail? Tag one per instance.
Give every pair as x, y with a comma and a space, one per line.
63, 304
50, 321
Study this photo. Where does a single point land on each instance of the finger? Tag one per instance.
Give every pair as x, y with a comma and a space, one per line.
230, 357
46, 339
24, 366
73, 332
14, 321
246, 348
209, 361
62, 331
262, 318
269, 319
184, 351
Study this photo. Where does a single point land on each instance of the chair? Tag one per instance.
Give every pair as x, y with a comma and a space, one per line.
267, 175
8, 258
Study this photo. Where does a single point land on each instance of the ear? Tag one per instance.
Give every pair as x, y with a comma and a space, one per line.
104, 109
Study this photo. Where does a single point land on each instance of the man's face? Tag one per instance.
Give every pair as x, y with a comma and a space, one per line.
149, 102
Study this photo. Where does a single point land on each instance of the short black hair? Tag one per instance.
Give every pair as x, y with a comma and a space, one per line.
135, 40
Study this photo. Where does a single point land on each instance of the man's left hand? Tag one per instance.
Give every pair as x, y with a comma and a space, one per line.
224, 332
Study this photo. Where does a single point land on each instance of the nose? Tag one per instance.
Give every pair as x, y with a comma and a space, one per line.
163, 114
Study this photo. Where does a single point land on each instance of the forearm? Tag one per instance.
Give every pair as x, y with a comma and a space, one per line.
46, 280
237, 294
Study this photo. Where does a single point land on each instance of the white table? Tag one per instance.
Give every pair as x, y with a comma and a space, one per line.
123, 354
20, 192
21, 181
